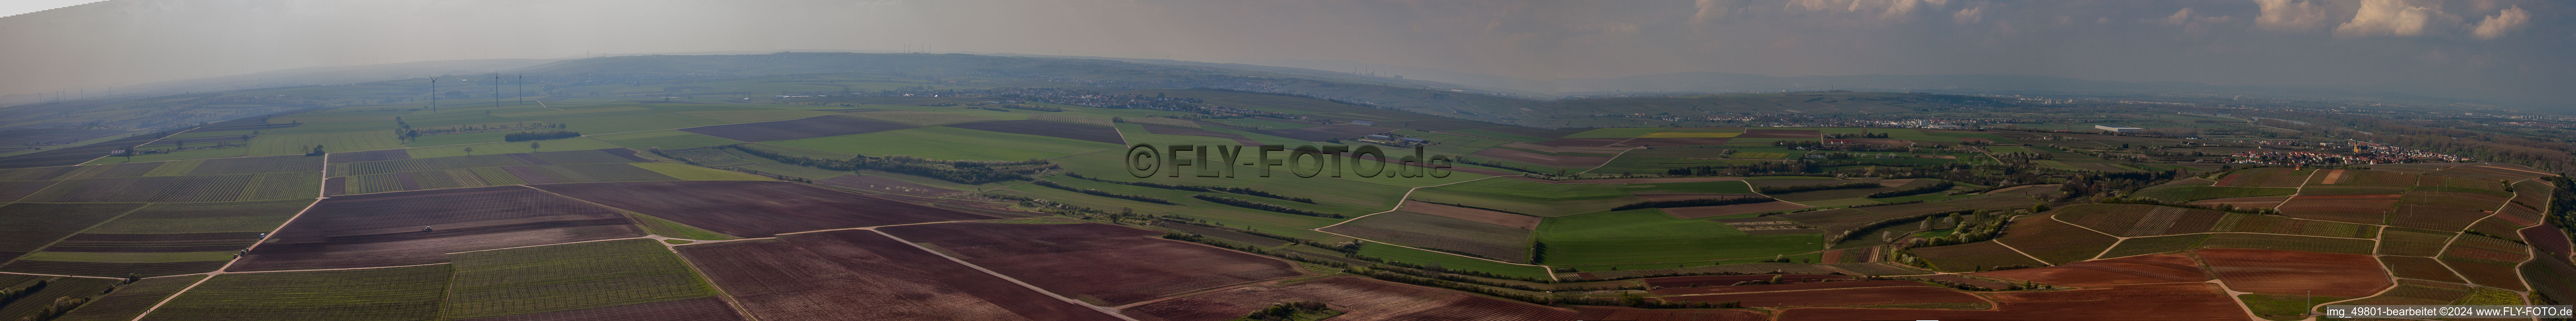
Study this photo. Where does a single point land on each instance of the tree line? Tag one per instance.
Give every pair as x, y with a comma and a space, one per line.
1199, 188
1693, 203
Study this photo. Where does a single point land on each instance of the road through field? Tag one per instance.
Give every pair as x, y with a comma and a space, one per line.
1408, 194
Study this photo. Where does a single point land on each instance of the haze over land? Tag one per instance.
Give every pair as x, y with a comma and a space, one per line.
2500, 52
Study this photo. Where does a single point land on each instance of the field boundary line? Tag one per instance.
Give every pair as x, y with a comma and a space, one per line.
1110, 311
272, 234
68, 276
2106, 250
174, 296
337, 269
1748, 185
50, 244
2025, 254
721, 294
1613, 158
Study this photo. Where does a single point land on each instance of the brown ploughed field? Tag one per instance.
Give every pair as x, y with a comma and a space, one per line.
385, 229
862, 275
699, 309
2153, 268
2294, 272
1101, 264
2167, 302
1359, 299
1839, 297
1786, 287
755, 208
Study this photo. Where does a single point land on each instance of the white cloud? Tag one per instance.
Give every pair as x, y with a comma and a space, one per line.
1969, 15
1885, 8
2387, 18
2289, 15
2502, 22
2179, 17
1708, 10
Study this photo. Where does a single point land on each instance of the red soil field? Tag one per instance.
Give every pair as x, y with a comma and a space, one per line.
1786, 287
1542, 159
2154, 268
2519, 214
1102, 264
755, 208
2417, 267
2294, 272
1726, 280
1581, 141
370, 156
384, 229
1675, 142
1048, 129
1839, 297
875, 183
2168, 302
1359, 299
809, 127
1724, 210
2550, 242
862, 275
1525, 222
2502, 276
1636, 314
1779, 133
699, 309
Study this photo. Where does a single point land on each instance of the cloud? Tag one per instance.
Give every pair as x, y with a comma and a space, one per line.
2500, 23
1969, 15
1885, 8
1708, 10
2179, 17
2387, 18
2289, 15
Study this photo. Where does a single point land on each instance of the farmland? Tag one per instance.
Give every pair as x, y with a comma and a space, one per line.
750, 208
2286, 272
1103, 265
818, 126
862, 275
1497, 242
1650, 235
388, 229
129, 301
1360, 299
575, 277
402, 293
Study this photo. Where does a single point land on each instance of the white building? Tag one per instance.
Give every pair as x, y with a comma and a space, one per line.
2117, 128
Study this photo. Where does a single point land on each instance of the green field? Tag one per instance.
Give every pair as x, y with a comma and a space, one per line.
1625, 132
549, 145
1651, 236
667, 228
130, 300
387, 294
1451, 261
1529, 198
694, 173
665, 139
174, 218
569, 277
950, 143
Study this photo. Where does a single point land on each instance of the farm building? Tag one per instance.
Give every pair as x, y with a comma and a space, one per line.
2117, 128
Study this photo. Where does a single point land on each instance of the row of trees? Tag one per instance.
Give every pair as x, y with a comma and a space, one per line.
1200, 188
536, 135
1101, 193
1693, 203
959, 171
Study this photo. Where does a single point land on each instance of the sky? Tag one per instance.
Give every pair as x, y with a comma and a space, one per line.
2501, 49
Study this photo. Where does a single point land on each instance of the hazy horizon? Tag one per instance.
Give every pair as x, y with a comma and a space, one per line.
2492, 49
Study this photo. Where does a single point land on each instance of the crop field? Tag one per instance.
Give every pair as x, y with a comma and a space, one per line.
664, 139
425, 164
1724, 210
2359, 209
2487, 261
1103, 265
390, 294
694, 173
2289, 272
862, 275
569, 277
2287, 243
951, 143
1451, 261
2414, 242
1650, 236
2160, 268
2422, 268
386, 229
2053, 241
1048, 129
1972, 257
25, 227
1616, 132
1529, 198
811, 127
1842, 297
2418, 292
917, 118
2140, 220
2284, 225
2179, 301
1359, 299
214, 188
130, 300
2266, 177
1518, 221
33, 296
755, 208
1555, 161
1497, 242
2194, 193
